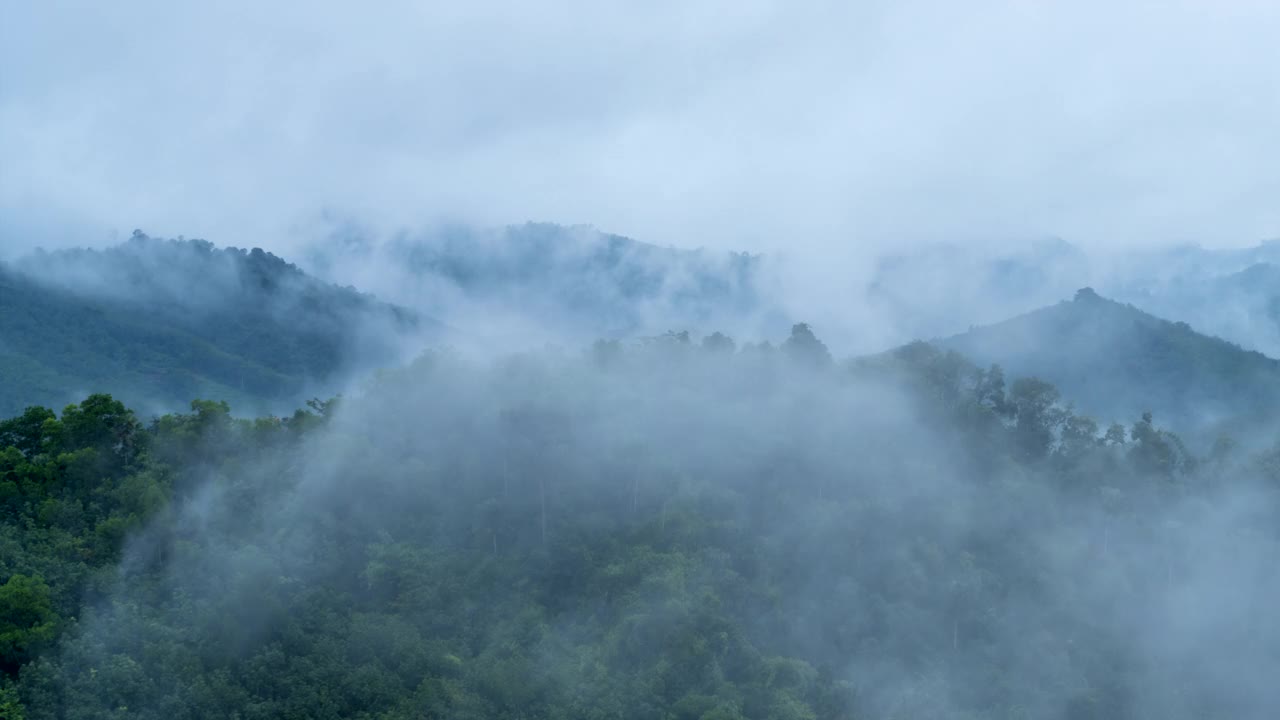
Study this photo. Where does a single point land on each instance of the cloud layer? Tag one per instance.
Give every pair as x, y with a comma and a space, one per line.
818, 128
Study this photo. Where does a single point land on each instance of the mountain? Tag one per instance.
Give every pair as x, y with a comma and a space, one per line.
938, 288
573, 284
1116, 362
651, 530
676, 534
1241, 304
159, 322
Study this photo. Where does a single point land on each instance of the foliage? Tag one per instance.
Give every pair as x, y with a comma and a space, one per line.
158, 322
1115, 362
665, 531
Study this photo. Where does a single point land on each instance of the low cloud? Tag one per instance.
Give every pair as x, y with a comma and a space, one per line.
817, 128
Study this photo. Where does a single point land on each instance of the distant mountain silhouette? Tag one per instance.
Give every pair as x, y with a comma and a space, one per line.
576, 282
1115, 362
1241, 305
940, 288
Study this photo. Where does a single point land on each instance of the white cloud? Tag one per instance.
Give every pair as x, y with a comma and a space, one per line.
821, 128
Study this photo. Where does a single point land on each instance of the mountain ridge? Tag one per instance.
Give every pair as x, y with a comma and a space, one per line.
1117, 361
575, 283
159, 322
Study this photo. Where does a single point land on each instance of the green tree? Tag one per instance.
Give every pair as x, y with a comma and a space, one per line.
990, 390
26, 432
1036, 416
10, 707
718, 342
27, 620
805, 348
1154, 451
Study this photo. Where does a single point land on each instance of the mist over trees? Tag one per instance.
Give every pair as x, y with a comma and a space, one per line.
571, 284
939, 290
159, 322
671, 528
904, 360
1114, 361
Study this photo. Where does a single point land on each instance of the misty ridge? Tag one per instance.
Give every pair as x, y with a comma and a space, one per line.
170, 320
175, 319
541, 281
158, 322
639, 361
1066, 513
940, 289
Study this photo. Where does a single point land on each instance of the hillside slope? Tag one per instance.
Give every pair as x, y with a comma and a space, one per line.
572, 284
1117, 361
158, 322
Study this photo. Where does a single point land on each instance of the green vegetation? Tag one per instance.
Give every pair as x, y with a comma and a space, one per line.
158, 322
670, 530
1115, 361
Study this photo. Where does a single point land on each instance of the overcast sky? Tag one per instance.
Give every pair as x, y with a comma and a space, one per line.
810, 126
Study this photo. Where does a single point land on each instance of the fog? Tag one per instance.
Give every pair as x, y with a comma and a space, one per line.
849, 519
552, 277
524, 286
823, 135
825, 129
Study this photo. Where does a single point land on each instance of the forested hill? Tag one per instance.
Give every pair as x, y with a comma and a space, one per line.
1241, 305
157, 322
574, 281
1115, 362
669, 530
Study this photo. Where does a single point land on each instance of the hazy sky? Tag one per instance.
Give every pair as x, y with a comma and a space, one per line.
746, 124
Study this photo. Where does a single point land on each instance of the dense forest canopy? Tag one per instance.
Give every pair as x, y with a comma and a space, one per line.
158, 322
901, 361
671, 529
